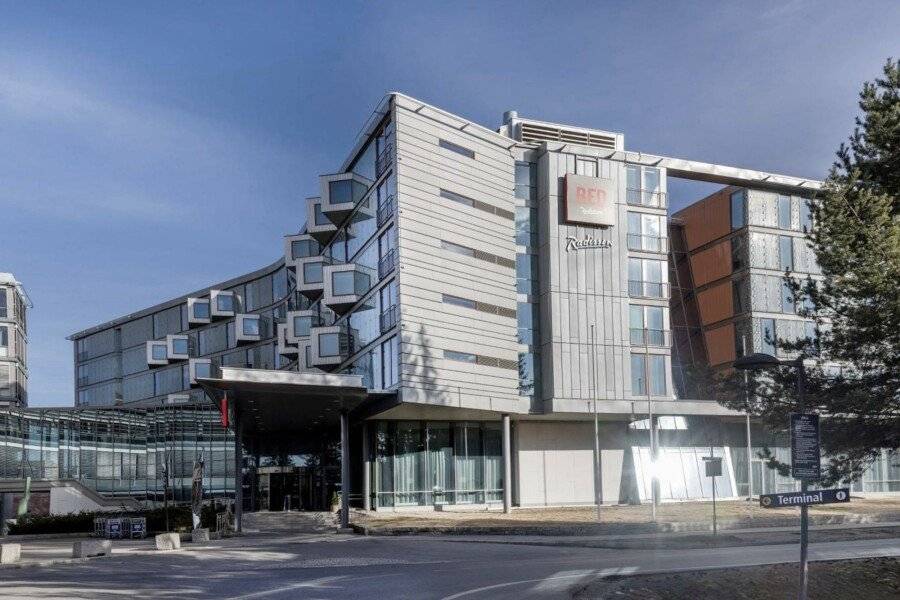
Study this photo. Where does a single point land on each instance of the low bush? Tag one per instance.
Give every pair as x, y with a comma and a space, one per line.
83, 522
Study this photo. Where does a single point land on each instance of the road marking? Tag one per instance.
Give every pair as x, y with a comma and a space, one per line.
543, 581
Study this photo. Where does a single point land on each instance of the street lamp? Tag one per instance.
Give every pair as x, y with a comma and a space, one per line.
760, 361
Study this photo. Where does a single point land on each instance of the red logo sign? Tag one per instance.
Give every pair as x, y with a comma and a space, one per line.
590, 200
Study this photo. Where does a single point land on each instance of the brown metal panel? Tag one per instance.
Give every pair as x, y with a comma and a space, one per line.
715, 303
707, 220
720, 344
712, 263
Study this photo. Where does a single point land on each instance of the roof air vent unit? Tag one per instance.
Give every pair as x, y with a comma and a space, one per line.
533, 132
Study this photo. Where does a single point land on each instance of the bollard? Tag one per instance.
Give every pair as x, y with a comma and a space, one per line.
168, 541
10, 553
88, 548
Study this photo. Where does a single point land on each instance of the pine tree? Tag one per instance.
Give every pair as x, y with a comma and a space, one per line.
856, 305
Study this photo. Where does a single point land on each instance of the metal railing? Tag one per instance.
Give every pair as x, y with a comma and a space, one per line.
647, 243
653, 198
648, 289
384, 160
388, 319
385, 211
650, 337
387, 263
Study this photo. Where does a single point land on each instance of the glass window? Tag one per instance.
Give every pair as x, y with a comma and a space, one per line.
390, 362
651, 180
159, 352
3, 301
457, 197
460, 356
785, 252
456, 148
787, 298
527, 362
767, 327
657, 375
329, 344
302, 325
784, 212
180, 345
201, 310
251, 325
638, 375
457, 301
340, 191
526, 318
312, 272
319, 216
202, 370
737, 253
342, 283
279, 284
586, 166
304, 248
633, 178
225, 302
737, 305
738, 218
805, 215
456, 248
526, 180
526, 226
526, 268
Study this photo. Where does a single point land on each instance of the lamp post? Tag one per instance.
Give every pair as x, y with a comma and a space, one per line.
758, 362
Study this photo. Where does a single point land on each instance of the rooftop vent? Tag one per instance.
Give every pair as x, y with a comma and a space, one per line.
533, 132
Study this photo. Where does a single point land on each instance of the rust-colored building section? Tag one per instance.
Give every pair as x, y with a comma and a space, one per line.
705, 305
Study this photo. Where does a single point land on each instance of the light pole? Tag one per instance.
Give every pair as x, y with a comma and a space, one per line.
597, 473
760, 361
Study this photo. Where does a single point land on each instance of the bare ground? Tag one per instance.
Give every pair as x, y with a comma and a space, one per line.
731, 514
867, 579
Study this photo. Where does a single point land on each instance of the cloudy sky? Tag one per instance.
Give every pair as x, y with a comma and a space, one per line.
149, 151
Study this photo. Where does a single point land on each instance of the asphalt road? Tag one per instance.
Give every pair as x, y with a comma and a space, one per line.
316, 566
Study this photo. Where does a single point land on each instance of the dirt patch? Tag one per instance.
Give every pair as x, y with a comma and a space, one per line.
616, 519
869, 579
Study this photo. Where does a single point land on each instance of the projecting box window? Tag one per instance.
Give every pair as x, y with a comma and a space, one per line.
456, 148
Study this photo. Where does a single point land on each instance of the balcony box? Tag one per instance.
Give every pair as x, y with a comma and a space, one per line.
341, 193
311, 275
199, 368
177, 347
157, 353
345, 285
301, 245
198, 311
222, 304
282, 345
329, 346
248, 328
299, 323
318, 225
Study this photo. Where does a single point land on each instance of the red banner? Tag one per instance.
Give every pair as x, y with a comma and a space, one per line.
223, 406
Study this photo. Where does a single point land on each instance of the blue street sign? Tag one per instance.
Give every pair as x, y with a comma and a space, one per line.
804, 498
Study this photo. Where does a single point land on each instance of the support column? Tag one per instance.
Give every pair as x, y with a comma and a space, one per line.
238, 472
345, 470
367, 469
507, 467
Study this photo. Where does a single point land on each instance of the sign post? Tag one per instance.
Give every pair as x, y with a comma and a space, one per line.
804, 466
713, 466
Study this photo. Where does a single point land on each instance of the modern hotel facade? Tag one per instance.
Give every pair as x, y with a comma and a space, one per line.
14, 304
462, 303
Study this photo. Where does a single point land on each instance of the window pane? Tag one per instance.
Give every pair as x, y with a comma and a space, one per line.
225, 302
342, 283
784, 212
785, 252
787, 298
180, 346
159, 352
312, 272
302, 325
657, 375
340, 191
329, 344
251, 326
201, 310
737, 209
638, 377
805, 215
768, 336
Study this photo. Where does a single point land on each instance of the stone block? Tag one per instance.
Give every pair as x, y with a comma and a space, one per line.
168, 541
88, 548
201, 534
10, 553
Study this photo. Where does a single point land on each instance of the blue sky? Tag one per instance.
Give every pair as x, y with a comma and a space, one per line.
148, 151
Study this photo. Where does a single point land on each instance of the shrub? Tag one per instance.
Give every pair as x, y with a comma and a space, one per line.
83, 522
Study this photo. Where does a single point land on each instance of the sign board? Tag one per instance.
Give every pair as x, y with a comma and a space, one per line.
590, 200
804, 498
713, 466
805, 454
588, 242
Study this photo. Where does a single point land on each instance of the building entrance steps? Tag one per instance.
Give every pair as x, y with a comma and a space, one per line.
288, 522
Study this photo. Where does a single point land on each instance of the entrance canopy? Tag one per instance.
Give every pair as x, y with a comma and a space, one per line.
285, 410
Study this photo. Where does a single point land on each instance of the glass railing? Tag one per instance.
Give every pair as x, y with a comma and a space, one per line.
383, 161
653, 198
647, 243
385, 211
648, 289
388, 319
387, 263
650, 337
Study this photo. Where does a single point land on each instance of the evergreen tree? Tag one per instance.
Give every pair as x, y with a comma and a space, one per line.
856, 304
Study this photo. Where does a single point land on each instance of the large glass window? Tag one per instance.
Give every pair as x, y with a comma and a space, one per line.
329, 344
390, 362
304, 248
738, 204
302, 325
646, 323
159, 352
647, 278
251, 325
202, 370
527, 369
180, 346
342, 283
785, 252
526, 317
201, 310
641, 371
312, 272
526, 226
318, 216
646, 232
805, 216
657, 375
784, 212
767, 336
638, 375
526, 180
225, 302
340, 191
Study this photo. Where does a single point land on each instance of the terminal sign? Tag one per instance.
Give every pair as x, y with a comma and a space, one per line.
804, 498
590, 200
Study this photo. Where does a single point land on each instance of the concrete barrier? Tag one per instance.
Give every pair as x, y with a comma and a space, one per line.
168, 541
201, 534
10, 553
88, 548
